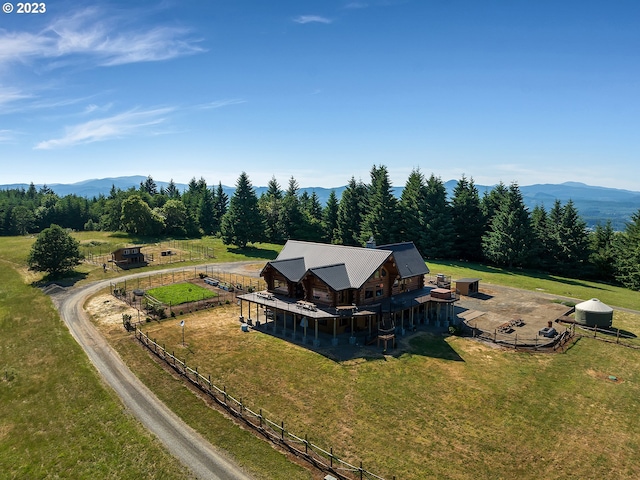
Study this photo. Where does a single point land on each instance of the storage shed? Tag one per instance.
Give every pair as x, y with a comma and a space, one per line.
468, 286
594, 313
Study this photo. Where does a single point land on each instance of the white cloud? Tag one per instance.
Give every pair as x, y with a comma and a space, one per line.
356, 5
6, 135
117, 126
221, 103
9, 95
91, 33
312, 19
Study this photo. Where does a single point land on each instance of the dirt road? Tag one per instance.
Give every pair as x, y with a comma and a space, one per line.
181, 440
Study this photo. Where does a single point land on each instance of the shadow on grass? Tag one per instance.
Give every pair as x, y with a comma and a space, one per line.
479, 267
64, 281
254, 252
434, 346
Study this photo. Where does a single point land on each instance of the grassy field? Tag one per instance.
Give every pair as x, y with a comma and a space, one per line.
180, 293
57, 419
447, 408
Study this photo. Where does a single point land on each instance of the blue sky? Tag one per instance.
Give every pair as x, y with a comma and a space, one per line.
528, 91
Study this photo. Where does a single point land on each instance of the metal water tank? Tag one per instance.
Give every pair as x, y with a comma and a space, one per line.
594, 313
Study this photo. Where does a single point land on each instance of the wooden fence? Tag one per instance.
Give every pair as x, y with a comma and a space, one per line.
520, 342
321, 458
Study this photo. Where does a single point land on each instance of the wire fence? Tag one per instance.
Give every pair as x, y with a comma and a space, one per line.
319, 457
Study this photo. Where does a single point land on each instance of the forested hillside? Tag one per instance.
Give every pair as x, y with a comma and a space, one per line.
495, 227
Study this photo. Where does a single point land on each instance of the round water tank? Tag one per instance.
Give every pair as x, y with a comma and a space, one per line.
594, 313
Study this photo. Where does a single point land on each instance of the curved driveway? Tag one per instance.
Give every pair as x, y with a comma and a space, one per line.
181, 440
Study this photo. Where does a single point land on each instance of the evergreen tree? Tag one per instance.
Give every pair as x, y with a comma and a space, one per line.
603, 251
330, 219
350, 212
206, 213
491, 202
541, 256
468, 222
438, 224
382, 215
508, 240
242, 224
568, 239
413, 206
220, 205
312, 217
172, 190
271, 209
292, 217
149, 186
628, 260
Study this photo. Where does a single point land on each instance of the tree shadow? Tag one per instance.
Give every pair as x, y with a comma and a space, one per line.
254, 252
48, 282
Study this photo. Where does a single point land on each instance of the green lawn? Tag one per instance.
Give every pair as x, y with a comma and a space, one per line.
449, 407
180, 293
57, 418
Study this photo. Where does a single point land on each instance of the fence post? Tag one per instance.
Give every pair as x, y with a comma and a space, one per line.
260, 419
306, 445
225, 394
618, 336
331, 457
361, 471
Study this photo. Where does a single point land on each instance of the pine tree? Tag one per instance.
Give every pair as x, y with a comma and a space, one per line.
468, 222
220, 205
603, 252
242, 223
508, 240
292, 217
438, 223
172, 190
491, 201
382, 214
541, 256
206, 213
330, 219
413, 207
350, 211
270, 204
628, 259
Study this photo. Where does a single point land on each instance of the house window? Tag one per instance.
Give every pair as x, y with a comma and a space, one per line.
368, 293
383, 272
379, 291
126, 252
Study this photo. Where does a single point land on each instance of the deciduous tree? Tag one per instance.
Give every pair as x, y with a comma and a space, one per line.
54, 251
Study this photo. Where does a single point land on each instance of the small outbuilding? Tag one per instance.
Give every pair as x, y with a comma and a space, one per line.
468, 286
594, 313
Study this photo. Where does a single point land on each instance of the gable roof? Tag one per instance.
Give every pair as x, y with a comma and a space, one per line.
292, 268
408, 260
358, 263
335, 276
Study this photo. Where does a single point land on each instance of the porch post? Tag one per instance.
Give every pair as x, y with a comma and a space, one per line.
294, 324
316, 342
334, 341
352, 338
402, 323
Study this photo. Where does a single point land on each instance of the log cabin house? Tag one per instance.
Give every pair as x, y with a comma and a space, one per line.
336, 289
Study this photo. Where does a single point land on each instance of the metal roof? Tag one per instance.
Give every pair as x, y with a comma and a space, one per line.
408, 260
333, 275
292, 268
594, 306
359, 263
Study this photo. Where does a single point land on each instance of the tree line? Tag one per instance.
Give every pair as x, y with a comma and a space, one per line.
496, 228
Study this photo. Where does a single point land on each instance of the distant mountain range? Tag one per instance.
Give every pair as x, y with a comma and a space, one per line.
595, 204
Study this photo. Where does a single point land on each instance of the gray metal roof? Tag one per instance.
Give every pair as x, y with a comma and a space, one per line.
359, 263
333, 275
292, 268
408, 259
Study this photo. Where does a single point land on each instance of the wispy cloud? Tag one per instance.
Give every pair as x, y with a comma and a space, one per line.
311, 19
117, 126
7, 135
356, 5
9, 95
91, 33
221, 103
